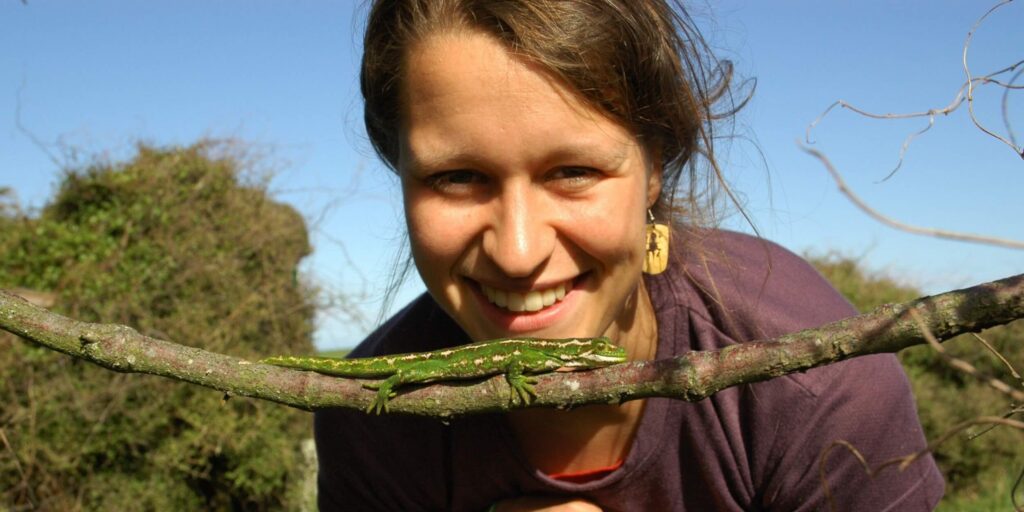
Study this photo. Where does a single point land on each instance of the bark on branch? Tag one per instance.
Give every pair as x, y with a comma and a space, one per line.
692, 377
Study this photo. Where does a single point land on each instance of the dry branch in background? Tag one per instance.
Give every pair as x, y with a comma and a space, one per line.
875, 214
693, 376
965, 93
963, 366
902, 462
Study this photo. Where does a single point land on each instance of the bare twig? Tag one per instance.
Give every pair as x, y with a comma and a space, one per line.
693, 376
970, 82
1009, 414
1005, 105
905, 461
21, 471
940, 233
823, 475
1013, 371
932, 113
29, 134
1017, 507
963, 366
966, 92
955, 429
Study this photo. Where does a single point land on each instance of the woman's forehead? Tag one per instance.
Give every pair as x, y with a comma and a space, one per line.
466, 92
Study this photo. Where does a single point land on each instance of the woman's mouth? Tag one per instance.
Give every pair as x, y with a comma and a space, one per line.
531, 301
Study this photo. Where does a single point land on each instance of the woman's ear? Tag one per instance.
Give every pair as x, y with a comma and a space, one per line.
654, 171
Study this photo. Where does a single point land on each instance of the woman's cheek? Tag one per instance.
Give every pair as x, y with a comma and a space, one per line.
439, 237
438, 229
608, 233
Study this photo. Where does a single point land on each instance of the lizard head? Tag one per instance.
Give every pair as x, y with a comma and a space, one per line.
591, 352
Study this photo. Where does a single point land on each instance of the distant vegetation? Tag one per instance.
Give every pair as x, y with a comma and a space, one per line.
988, 463
182, 244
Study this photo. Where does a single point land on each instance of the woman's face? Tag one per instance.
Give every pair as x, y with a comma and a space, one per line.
525, 208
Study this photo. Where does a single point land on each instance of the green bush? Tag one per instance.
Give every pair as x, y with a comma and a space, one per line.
946, 397
182, 244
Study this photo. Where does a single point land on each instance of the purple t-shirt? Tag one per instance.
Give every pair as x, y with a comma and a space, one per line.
751, 447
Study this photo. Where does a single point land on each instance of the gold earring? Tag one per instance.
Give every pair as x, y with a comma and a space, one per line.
656, 257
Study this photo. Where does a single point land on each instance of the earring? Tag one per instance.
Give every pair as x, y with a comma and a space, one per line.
656, 257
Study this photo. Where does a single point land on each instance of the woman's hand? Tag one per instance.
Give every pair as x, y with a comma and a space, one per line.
547, 504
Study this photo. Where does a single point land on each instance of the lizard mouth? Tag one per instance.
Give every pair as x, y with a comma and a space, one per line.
531, 301
606, 358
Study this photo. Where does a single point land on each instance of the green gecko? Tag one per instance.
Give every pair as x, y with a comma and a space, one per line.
512, 357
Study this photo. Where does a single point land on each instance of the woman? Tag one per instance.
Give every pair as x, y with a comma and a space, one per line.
534, 141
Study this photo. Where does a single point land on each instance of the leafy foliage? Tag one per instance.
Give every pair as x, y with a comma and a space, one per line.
182, 244
945, 396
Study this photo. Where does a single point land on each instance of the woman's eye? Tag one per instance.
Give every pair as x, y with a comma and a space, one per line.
449, 181
575, 177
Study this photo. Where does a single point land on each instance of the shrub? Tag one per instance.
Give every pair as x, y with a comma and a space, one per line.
945, 396
183, 244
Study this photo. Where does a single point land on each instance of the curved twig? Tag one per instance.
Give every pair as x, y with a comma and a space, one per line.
970, 82
903, 462
1006, 363
939, 233
966, 92
930, 113
963, 366
1005, 104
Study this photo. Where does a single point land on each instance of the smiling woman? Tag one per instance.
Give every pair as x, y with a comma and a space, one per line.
533, 140
517, 195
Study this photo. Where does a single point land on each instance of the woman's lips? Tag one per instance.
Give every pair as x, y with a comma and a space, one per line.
532, 301
561, 298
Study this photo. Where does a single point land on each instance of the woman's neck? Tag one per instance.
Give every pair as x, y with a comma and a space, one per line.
595, 436
637, 330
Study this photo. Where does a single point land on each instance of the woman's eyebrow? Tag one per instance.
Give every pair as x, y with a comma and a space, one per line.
586, 152
605, 154
438, 159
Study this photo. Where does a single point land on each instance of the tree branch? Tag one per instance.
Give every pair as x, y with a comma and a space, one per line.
692, 377
893, 223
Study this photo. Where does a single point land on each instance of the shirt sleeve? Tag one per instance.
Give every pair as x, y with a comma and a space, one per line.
806, 426
861, 408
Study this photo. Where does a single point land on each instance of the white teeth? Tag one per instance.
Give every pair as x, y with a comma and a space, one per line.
535, 300
549, 297
516, 302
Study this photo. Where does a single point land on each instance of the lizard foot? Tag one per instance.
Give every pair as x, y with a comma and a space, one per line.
521, 387
380, 402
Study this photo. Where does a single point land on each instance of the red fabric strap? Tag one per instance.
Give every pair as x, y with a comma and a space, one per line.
586, 475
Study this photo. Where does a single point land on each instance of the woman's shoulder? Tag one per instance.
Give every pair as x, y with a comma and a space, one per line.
750, 287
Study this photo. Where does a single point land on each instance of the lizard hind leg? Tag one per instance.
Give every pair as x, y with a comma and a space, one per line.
385, 392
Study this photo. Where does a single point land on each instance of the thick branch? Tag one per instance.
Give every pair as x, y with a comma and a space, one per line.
693, 376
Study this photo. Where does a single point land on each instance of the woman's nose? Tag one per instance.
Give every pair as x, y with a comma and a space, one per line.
521, 238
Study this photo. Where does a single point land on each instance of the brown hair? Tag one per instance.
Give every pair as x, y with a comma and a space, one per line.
640, 61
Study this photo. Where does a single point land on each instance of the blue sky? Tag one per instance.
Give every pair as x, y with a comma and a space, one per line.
93, 78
